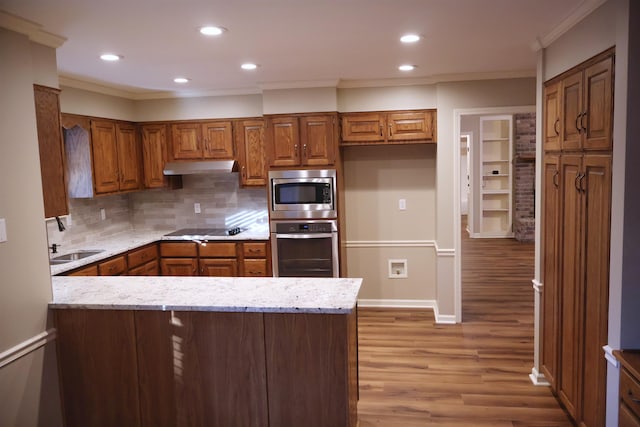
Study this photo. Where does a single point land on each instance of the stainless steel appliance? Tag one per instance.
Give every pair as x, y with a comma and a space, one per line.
299, 194
305, 248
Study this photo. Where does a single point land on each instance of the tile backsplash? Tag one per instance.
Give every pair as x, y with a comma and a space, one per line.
223, 204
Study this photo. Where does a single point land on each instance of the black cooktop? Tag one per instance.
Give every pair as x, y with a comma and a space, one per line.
207, 232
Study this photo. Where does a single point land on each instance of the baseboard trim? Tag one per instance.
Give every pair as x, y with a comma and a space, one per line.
538, 379
537, 286
27, 346
608, 354
409, 303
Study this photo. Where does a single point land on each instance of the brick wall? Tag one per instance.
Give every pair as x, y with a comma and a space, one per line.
525, 176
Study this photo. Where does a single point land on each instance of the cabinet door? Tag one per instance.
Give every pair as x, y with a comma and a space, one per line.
154, 155
105, 156
568, 378
552, 123
186, 141
217, 138
179, 266
220, 267
255, 267
596, 202
551, 289
113, 267
596, 120
91, 270
251, 152
367, 127
318, 140
52, 168
128, 156
571, 129
284, 141
410, 126
149, 269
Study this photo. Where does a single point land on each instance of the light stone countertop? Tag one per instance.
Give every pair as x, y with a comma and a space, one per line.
224, 294
122, 242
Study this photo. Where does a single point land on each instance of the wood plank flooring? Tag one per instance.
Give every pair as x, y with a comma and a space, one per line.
414, 372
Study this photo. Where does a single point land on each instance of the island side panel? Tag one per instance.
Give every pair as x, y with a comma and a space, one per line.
220, 377
311, 369
98, 369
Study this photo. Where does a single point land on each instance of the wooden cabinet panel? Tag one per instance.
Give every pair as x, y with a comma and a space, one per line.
551, 301
284, 141
626, 418
410, 126
98, 370
250, 146
129, 160
105, 158
91, 270
186, 141
220, 267
113, 267
178, 249
154, 155
254, 249
140, 256
318, 139
52, 164
598, 106
179, 266
217, 140
363, 127
551, 124
218, 250
572, 111
151, 268
255, 268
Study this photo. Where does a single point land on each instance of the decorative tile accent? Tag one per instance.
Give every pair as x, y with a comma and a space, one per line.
525, 177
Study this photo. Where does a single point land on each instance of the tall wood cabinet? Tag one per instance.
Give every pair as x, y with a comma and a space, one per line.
576, 236
250, 148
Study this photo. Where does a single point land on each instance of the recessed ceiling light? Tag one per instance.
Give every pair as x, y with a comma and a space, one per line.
181, 80
211, 30
409, 38
406, 67
110, 57
249, 66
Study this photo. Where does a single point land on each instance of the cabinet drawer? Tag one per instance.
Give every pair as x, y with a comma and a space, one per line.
113, 267
254, 250
140, 256
255, 267
178, 249
151, 268
218, 250
630, 391
626, 417
91, 270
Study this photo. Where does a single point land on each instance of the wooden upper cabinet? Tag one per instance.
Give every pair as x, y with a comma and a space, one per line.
52, 164
217, 140
154, 154
586, 101
250, 148
105, 156
390, 127
202, 140
552, 122
302, 140
129, 156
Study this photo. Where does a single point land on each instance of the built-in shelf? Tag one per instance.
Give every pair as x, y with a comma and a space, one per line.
495, 175
495, 139
496, 191
495, 210
494, 161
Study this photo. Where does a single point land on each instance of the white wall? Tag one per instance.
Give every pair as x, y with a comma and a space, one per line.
284, 101
198, 108
387, 98
78, 101
28, 386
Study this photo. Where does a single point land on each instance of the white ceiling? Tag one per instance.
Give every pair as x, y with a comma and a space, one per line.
298, 43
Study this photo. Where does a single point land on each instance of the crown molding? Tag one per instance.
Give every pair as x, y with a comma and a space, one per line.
302, 84
30, 29
577, 15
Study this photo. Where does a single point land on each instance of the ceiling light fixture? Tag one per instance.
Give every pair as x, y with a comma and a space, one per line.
410, 38
249, 66
181, 80
211, 30
110, 57
407, 67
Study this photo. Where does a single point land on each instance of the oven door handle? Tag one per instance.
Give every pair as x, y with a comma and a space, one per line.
304, 236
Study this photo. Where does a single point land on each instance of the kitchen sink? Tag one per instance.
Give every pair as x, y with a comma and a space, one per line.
73, 256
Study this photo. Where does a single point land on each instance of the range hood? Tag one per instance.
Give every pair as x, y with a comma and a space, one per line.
203, 167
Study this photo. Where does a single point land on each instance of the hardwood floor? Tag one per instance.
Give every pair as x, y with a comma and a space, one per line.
414, 372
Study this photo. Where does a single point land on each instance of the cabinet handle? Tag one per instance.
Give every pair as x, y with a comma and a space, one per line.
556, 181
304, 147
584, 128
295, 147
580, 183
381, 128
390, 129
578, 117
555, 126
575, 183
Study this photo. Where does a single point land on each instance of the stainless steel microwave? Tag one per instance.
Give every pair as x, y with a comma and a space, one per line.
308, 193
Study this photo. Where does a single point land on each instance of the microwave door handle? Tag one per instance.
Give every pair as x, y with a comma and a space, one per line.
304, 236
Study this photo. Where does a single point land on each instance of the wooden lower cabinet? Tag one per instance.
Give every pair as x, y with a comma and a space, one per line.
151, 268
113, 267
629, 413
218, 267
155, 368
179, 266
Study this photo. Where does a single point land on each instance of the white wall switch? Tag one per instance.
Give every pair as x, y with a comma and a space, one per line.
196, 208
103, 214
402, 204
3, 230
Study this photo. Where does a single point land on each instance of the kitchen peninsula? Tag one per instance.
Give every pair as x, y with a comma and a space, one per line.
207, 350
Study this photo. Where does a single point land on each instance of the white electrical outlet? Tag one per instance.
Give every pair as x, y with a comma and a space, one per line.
103, 214
402, 204
196, 208
3, 230
398, 269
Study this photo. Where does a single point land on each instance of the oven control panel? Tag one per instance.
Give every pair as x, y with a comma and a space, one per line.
305, 227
